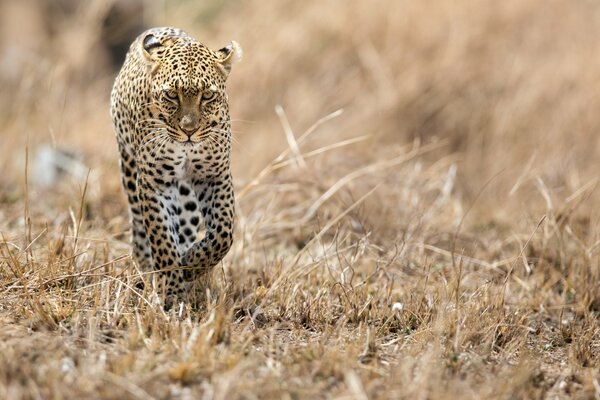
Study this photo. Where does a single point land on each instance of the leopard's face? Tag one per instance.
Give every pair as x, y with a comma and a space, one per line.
187, 101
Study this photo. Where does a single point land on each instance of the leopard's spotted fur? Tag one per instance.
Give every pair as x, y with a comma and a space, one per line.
171, 117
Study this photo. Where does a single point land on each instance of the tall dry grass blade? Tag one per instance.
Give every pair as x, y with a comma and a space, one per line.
270, 167
512, 267
289, 135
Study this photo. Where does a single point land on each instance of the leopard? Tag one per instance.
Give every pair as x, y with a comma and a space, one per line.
170, 113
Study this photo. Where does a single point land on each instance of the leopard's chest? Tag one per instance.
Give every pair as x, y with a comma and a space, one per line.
188, 164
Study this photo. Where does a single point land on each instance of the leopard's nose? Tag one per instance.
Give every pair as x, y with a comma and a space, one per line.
189, 124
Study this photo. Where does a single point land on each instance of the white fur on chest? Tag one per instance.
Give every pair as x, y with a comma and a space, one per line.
177, 165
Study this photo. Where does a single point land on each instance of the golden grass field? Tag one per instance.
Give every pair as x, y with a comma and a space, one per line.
437, 238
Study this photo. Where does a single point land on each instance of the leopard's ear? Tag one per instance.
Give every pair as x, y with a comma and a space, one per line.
227, 56
150, 47
153, 47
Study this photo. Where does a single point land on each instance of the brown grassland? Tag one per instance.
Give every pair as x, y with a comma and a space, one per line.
436, 238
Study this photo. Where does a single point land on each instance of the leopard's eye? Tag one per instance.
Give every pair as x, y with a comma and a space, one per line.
172, 95
209, 95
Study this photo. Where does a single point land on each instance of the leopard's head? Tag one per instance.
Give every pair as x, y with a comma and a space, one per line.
188, 100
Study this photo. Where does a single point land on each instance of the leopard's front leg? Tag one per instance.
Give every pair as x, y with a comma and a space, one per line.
159, 210
218, 210
140, 251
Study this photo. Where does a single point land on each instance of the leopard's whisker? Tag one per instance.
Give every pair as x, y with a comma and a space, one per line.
161, 135
158, 131
229, 137
159, 145
152, 133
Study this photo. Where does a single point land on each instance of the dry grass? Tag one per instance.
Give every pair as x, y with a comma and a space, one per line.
437, 239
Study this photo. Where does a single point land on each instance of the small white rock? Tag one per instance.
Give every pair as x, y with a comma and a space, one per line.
562, 385
67, 365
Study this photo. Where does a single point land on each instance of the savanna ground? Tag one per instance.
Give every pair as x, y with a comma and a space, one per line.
438, 238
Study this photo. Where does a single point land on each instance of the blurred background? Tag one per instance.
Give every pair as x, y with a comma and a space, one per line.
509, 90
